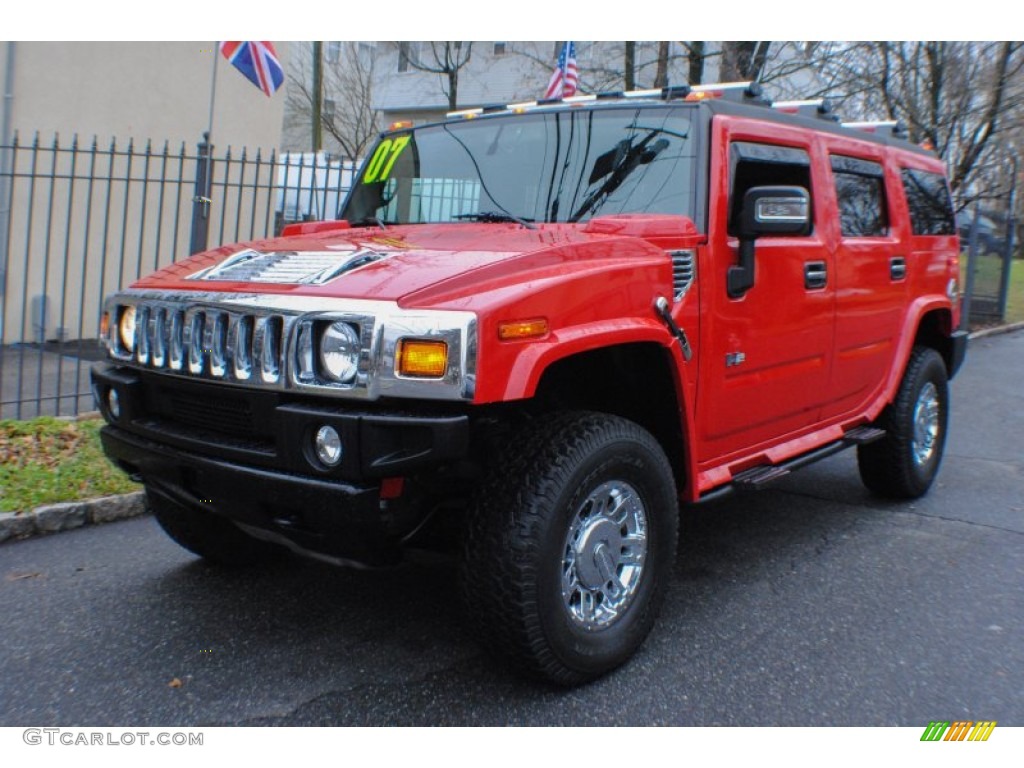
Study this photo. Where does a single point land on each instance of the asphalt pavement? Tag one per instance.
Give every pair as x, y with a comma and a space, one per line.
812, 603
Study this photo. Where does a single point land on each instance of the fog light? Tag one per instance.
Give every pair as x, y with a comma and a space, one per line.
114, 403
328, 446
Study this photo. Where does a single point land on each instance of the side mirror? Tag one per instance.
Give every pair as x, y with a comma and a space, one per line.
766, 211
775, 211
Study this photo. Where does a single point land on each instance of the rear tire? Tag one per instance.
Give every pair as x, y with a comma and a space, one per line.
570, 546
903, 464
208, 535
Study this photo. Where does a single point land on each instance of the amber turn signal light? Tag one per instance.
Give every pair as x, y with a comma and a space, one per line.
523, 329
422, 359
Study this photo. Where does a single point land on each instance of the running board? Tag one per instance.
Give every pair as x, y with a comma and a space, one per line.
758, 478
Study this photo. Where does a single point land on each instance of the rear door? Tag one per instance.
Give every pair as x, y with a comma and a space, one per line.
871, 273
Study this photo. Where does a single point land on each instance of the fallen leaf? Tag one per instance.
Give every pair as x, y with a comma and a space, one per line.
175, 683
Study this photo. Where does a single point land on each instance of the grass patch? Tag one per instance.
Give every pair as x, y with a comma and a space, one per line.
49, 460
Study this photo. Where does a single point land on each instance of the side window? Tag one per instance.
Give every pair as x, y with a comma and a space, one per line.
931, 209
860, 189
761, 165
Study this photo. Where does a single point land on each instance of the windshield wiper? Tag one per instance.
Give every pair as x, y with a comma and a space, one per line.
492, 217
620, 162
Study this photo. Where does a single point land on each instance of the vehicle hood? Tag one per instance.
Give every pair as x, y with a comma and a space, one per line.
452, 265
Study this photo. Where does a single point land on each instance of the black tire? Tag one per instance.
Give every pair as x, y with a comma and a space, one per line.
556, 477
208, 535
903, 464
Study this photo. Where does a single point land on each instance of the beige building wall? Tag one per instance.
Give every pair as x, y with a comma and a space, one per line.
68, 241
158, 91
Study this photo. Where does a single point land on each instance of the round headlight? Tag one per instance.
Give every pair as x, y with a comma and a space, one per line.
339, 352
126, 328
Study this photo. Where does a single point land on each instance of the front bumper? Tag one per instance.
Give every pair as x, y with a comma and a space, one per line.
249, 456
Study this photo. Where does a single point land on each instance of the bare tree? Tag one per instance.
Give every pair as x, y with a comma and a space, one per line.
962, 98
743, 60
629, 65
445, 59
696, 56
347, 113
661, 73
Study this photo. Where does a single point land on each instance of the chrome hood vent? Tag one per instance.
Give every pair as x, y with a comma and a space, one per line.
288, 267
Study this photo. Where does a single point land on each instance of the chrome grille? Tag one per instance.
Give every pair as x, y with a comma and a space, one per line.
209, 343
684, 268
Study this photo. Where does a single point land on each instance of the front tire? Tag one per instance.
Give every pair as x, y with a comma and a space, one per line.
570, 546
903, 464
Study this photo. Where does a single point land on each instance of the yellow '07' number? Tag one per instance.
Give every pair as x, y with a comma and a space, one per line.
383, 160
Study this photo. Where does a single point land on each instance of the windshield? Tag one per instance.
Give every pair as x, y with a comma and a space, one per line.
555, 166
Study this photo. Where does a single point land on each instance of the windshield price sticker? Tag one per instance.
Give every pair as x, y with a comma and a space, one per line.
383, 160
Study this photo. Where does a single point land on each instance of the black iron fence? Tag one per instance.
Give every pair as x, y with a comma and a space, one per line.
81, 220
989, 242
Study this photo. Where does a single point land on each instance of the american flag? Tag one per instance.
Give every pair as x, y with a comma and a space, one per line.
257, 61
565, 79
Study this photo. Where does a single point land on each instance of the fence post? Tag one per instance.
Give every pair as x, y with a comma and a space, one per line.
1011, 225
972, 266
201, 200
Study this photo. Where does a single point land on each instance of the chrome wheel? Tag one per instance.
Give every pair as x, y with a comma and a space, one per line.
926, 424
603, 557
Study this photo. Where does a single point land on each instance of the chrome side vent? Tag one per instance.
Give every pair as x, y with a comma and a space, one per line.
684, 270
288, 267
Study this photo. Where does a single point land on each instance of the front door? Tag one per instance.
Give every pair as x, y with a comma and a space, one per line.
766, 357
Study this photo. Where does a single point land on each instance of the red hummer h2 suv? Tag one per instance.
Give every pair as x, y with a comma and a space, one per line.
535, 331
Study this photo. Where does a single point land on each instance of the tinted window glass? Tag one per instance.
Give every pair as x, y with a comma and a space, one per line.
860, 189
551, 166
760, 165
931, 209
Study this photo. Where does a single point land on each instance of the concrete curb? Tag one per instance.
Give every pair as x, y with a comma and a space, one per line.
999, 329
51, 518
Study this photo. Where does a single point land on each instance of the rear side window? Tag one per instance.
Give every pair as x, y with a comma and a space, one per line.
760, 165
860, 189
931, 209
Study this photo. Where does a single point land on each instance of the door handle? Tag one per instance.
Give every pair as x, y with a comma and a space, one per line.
897, 268
815, 275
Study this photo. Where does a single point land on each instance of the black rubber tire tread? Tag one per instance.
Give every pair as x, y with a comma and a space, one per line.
204, 533
887, 466
515, 517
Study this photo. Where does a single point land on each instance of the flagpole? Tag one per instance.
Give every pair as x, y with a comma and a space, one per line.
213, 89
206, 147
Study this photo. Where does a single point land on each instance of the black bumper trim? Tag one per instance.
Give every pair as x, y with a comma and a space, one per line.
326, 516
377, 443
958, 351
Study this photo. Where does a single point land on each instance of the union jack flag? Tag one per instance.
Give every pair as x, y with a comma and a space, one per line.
257, 61
565, 79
